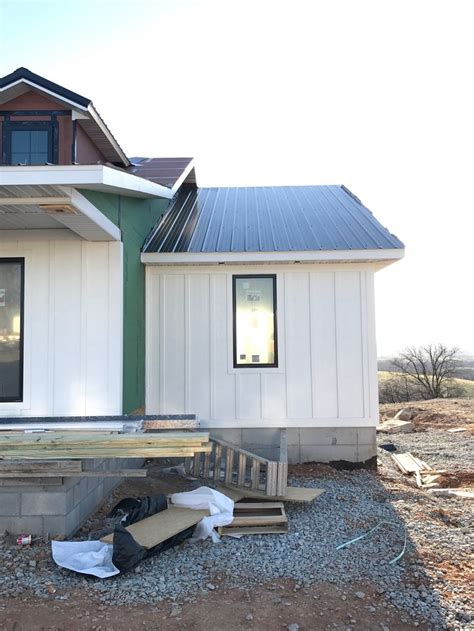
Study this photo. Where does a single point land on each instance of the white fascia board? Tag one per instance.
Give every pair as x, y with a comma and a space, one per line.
91, 212
56, 96
94, 177
105, 130
183, 176
329, 256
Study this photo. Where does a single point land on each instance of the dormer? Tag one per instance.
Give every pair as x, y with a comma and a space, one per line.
42, 123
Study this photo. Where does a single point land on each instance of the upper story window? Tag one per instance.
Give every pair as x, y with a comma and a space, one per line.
255, 321
28, 143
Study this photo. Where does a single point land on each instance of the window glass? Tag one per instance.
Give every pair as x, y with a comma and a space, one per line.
29, 146
254, 321
11, 360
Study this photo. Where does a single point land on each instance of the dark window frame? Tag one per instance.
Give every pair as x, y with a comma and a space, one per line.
21, 261
235, 277
10, 126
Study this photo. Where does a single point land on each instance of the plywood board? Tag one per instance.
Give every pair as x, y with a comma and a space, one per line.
293, 494
155, 529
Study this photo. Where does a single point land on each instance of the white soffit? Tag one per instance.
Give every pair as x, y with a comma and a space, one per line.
90, 177
381, 257
26, 208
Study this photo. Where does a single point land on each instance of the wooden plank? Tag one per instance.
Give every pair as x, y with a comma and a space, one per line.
243, 507
293, 494
242, 469
55, 453
468, 495
171, 424
207, 462
406, 462
59, 467
155, 529
271, 481
229, 465
197, 465
136, 439
117, 473
255, 475
256, 530
282, 478
257, 520
217, 462
29, 482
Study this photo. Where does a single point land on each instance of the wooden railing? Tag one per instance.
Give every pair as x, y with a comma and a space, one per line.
233, 466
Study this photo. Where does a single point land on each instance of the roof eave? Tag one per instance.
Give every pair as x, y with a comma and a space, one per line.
381, 257
90, 177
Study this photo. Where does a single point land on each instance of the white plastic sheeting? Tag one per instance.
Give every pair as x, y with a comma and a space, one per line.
220, 507
86, 557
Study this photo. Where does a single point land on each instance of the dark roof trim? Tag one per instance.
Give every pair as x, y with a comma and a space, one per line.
23, 74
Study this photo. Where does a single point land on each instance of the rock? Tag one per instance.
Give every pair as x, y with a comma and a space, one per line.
210, 586
360, 595
293, 627
249, 617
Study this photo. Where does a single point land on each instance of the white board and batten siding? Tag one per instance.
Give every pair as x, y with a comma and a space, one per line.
327, 373
72, 325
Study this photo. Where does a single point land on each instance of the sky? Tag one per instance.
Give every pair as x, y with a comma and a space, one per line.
375, 94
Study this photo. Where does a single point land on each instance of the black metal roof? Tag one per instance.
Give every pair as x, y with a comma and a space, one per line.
24, 73
164, 171
268, 219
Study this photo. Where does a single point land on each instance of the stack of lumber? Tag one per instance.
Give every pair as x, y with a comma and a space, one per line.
426, 477
72, 445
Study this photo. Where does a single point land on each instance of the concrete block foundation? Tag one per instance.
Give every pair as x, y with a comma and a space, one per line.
57, 506
307, 444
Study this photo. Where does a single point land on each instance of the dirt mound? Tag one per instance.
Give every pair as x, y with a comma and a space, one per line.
434, 414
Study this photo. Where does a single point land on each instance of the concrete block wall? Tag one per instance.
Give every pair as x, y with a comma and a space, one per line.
57, 506
306, 444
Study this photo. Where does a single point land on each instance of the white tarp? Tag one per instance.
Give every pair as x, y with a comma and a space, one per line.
220, 507
86, 557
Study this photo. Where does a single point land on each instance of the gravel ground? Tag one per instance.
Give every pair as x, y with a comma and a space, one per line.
428, 584
438, 448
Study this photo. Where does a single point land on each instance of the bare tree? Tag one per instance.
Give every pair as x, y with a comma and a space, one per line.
432, 368
398, 389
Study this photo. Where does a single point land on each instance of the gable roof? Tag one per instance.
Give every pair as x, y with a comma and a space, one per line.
268, 219
88, 118
26, 76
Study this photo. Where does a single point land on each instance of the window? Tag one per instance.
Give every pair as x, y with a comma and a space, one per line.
255, 323
28, 143
11, 329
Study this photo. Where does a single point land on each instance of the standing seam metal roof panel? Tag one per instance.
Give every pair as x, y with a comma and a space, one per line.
268, 219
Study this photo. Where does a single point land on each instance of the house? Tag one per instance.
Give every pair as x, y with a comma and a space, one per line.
258, 308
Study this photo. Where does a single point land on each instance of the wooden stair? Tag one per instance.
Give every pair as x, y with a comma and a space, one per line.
238, 468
